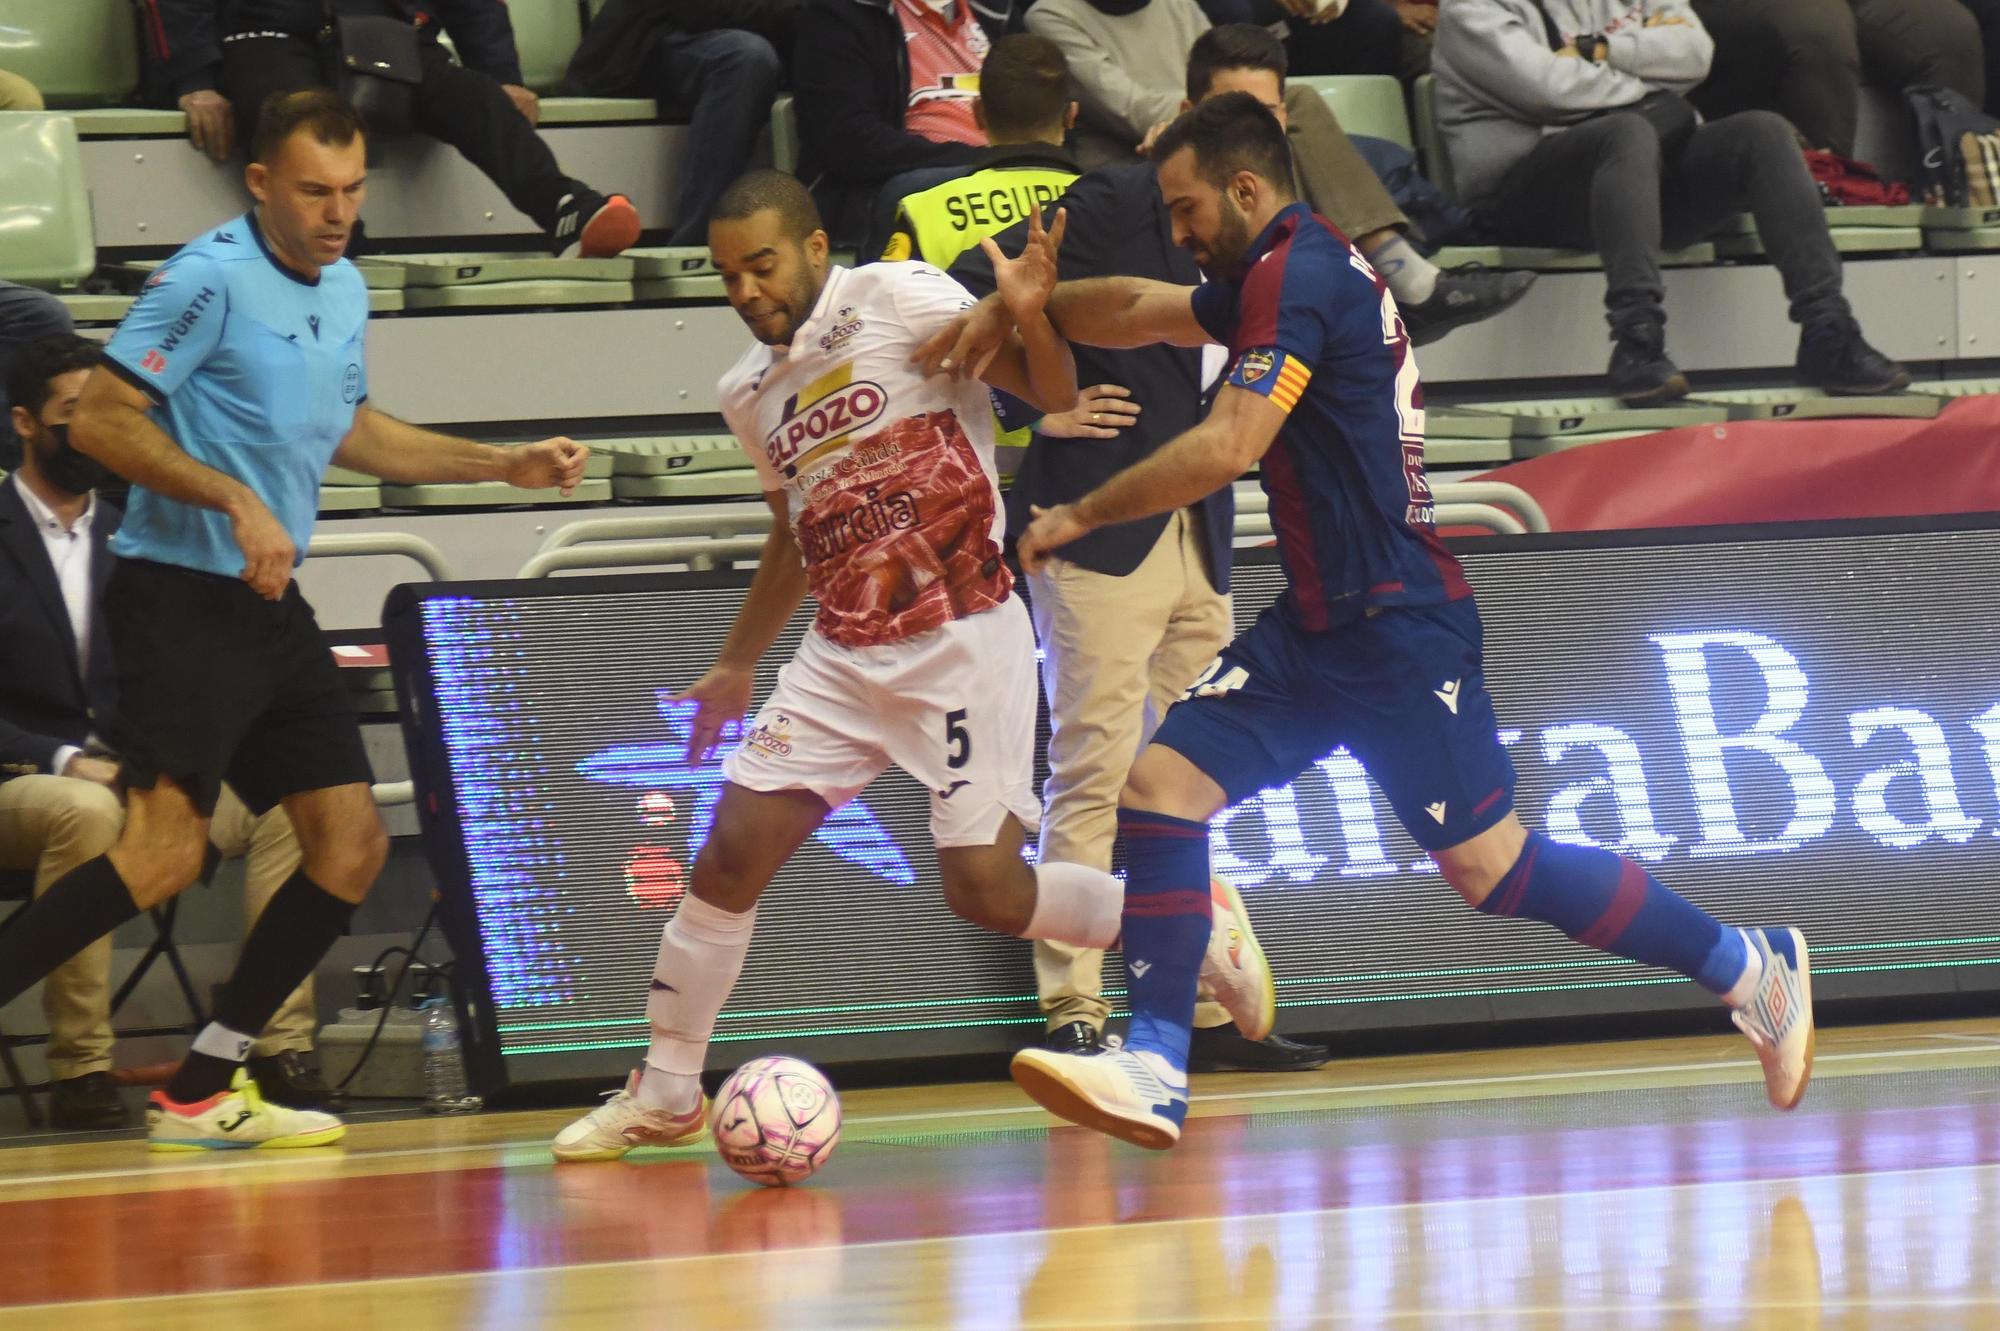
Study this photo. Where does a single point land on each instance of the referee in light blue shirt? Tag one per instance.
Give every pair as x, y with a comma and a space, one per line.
237, 377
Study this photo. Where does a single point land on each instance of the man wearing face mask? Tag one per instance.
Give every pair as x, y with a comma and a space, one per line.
59, 801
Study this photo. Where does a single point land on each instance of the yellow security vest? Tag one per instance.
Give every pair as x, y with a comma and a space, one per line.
943, 222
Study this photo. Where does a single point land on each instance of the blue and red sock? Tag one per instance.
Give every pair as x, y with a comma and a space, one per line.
1610, 903
1166, 922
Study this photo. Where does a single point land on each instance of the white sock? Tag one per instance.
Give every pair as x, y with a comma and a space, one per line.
1409, 274
701, 954
1076, 904
218, 1041
1746, 984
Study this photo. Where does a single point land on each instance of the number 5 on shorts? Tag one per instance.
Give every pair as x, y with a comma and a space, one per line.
958, 740
1206, 685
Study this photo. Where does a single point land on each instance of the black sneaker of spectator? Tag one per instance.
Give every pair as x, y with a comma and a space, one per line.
1641, 374
1834, 357
591, 226
1463, 296
1076, 1037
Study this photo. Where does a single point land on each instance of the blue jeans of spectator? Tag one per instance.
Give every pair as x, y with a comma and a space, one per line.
1602, 185
724, 82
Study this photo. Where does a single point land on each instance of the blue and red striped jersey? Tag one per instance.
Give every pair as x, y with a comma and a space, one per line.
1313, 328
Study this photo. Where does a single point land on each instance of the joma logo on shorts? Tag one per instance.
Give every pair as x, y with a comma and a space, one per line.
855, 407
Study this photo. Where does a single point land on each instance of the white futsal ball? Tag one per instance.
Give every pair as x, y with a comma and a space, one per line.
776, 1121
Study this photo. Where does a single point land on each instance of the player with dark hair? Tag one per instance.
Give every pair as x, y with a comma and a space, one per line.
1375, 645
886, 506
229, 387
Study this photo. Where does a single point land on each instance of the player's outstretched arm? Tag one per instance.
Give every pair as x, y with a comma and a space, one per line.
1033, 363
112, 425
723, 694
397, 451
1189, 468
1126, 312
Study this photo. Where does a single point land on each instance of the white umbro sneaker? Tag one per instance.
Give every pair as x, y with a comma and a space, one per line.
1779, 1017
238, 1119
1235, 971
622, 1122
1115, 1091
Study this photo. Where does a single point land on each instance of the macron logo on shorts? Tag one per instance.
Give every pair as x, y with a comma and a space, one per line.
1448, 695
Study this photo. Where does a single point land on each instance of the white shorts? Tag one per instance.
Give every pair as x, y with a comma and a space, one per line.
954, 707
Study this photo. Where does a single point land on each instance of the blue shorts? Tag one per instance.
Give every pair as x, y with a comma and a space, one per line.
1401, 689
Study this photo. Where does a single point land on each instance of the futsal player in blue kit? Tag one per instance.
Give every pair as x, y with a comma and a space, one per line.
238, 375
1375, 645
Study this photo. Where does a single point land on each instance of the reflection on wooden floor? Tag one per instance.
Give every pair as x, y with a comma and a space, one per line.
1634, 1185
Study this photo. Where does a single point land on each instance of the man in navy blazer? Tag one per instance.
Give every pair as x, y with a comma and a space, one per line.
1129, 615
60, 803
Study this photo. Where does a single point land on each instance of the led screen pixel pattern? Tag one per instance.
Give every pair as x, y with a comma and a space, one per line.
1801, 730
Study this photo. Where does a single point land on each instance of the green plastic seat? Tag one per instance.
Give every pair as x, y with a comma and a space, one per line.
785, 135
1366, 104
1547, 418
598, 110
129, 122
1534, 446
1809, 404
91, 309
546, 33
349, 498
488, 494
516, 295
78, 52
45, 235
1846, 240
459, 270
1431, 155
736, 483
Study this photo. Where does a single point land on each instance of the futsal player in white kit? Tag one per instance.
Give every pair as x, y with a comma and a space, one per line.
887, 509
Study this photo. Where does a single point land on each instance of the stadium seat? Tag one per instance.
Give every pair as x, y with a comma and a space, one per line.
1366, 104
1430, 140
1809, 404
128, 122
1545, 419
1458, 439
501, 295
1955, 388
45, 235
95, 309
545, 35
598, 110
1544, 259
734, 483
1961, 230
785, 135
673, 456
78, 52
461, 270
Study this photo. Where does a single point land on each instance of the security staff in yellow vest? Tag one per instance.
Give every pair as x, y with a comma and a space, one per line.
1025, 109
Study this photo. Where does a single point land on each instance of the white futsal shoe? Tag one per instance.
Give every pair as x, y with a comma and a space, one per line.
238, 1119
1234, 972
1133, 1097
622, 1122
1779, 1016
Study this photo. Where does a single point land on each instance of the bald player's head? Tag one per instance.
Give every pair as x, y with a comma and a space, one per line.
768, 243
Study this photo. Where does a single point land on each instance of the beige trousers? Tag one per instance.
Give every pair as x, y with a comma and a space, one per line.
1116, 653
52, 824
17, 94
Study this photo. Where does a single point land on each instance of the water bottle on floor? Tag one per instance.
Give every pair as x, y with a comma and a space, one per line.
444, 1063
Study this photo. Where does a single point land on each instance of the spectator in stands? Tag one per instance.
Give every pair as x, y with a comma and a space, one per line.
224, 58
26, 315
1342, 187
1987, 14
1129, 615
1577, 133
1339, 37
714, 62
17, 94
1128, 58
1024, 112
883, 87
60, 802
1807, 59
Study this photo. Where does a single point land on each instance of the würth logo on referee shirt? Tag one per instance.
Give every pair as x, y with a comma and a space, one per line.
155, 360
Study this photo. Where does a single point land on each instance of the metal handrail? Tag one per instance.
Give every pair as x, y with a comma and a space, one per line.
1496, 520
697, 554
656, 526
356, 544
1496, 494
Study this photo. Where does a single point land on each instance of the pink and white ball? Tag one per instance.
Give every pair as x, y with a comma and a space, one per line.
776, 1121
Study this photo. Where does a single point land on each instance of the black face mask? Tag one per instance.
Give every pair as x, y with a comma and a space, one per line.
66, 469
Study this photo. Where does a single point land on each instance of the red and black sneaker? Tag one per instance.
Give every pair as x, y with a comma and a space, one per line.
593, 226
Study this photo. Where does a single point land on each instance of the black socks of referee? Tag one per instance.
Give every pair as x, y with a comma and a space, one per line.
298, 926
79, 908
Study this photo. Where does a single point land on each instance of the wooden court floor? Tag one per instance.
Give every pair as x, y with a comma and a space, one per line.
1635, 1185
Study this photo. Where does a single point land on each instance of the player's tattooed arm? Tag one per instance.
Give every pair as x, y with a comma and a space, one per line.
723, 694
1190, 467
112, 425
394, 450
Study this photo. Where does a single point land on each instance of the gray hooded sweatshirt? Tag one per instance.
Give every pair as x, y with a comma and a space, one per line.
1501, 90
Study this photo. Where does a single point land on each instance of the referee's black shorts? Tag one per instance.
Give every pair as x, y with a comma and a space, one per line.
218, 684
